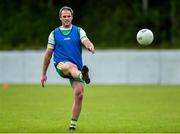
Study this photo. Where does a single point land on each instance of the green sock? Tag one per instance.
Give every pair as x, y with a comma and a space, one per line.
79, 78
73, 123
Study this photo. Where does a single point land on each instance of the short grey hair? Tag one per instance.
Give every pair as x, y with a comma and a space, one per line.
65, 8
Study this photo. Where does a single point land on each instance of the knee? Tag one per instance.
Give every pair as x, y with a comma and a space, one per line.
69, 66
79, 95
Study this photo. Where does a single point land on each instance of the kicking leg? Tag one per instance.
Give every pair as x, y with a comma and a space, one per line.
70, 69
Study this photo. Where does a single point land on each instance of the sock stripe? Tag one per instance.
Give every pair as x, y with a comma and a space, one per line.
73, 119
74, 125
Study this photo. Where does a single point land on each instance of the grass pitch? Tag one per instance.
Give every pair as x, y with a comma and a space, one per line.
108, 109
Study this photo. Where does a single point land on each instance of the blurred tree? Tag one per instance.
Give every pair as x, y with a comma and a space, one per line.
110, 24
50, 3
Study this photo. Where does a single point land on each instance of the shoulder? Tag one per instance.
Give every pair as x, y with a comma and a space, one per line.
55, 30
77, 27
82, 34
80, 29
51, 34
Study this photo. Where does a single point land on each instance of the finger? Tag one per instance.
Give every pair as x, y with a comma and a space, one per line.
89, 49
93, 51
42, 83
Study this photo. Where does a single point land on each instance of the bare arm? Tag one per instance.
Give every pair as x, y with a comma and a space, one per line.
89, 45
47, 58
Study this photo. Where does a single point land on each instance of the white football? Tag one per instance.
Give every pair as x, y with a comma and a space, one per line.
145, 37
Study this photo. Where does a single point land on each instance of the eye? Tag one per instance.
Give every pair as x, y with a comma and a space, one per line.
68, 16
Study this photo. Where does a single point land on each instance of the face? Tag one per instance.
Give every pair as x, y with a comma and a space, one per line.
66, 18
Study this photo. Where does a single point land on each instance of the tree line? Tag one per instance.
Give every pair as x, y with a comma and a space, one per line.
26, 24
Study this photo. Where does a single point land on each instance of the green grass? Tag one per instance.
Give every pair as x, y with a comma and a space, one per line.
108, 108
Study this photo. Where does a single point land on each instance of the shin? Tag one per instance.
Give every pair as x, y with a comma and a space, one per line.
78, 98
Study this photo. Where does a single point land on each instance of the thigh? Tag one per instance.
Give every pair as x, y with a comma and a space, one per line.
65, 67
60, 72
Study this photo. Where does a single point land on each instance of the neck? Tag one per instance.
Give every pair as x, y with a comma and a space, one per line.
65, 26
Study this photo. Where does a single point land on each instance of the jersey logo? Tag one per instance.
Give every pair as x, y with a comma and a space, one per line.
68, 38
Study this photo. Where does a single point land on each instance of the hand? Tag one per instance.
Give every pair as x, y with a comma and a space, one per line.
43, 80
91, 49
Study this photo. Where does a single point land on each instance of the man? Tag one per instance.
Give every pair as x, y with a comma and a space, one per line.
64, 43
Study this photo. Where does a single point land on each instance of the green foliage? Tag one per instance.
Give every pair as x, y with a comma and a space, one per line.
27, 27
109, 24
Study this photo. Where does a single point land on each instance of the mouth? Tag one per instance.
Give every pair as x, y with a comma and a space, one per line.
66, 21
